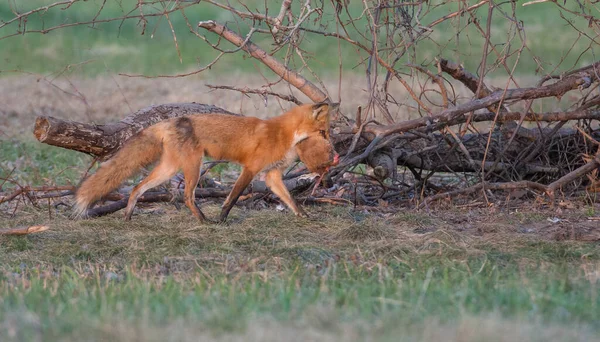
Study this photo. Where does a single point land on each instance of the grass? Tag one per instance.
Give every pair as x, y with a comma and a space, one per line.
165, 277
120, 47
35, 164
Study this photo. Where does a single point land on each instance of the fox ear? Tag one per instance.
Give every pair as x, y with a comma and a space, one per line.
323, 108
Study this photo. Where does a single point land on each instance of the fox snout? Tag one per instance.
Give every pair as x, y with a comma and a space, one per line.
336, 159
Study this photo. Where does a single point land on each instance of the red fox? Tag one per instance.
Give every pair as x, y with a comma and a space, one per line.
181, 143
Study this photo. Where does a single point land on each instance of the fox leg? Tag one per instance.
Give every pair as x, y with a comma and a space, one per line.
240, 184
274, 181
191, 174
161, 173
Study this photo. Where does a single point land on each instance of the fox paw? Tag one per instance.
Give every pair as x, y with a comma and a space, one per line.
302, 213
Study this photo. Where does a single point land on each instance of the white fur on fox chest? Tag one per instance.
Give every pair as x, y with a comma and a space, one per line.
290, 155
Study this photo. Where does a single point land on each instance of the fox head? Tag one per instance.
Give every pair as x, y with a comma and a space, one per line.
317, 154
314, 148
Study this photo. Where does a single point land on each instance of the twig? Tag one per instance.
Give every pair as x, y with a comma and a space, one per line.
27, 189
263, 92
23, 230
485, 185
285, 6
534, 2
573, 175
177, 196
295, 79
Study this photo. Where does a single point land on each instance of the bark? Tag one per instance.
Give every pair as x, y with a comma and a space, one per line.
545, 155
383, 164
581, 79
439, 152
419, 149
103, 140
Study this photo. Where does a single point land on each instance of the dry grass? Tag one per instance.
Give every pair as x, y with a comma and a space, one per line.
108, 99
160, 233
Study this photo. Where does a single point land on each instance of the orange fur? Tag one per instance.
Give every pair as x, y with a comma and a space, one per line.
181, 143
317, 154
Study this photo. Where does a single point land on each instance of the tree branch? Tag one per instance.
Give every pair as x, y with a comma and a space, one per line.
292, 77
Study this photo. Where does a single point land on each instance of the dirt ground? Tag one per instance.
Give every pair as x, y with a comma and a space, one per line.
458, 224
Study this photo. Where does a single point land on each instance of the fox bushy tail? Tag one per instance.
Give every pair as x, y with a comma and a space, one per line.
138, 152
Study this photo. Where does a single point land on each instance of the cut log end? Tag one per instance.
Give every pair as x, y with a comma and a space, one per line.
41, 128
103, 140
383, 165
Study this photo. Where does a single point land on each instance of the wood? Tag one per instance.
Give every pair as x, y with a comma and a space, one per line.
384, 166
436, 153
415, 143
33, 190
23, 230
468, 79
305, 86
256, 187
478, 87
559, 88
103, 140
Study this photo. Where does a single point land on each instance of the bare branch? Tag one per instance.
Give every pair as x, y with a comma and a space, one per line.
292, 77
262, 92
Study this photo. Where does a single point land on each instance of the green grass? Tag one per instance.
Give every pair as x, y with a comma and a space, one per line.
69, 300
120, 47
343, 275
35, 164
165, 277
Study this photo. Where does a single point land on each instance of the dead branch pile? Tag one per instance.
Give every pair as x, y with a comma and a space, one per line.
507, 157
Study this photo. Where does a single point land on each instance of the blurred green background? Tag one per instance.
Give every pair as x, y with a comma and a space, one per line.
119, 46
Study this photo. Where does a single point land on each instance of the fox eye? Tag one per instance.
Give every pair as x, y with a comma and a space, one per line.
323, 133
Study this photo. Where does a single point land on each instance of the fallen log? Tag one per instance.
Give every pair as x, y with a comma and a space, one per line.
549, 190
30, 192
102, 141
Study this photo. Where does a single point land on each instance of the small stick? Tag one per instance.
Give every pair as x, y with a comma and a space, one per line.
23, 230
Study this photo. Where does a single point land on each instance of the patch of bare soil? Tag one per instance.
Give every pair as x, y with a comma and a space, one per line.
579, 222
